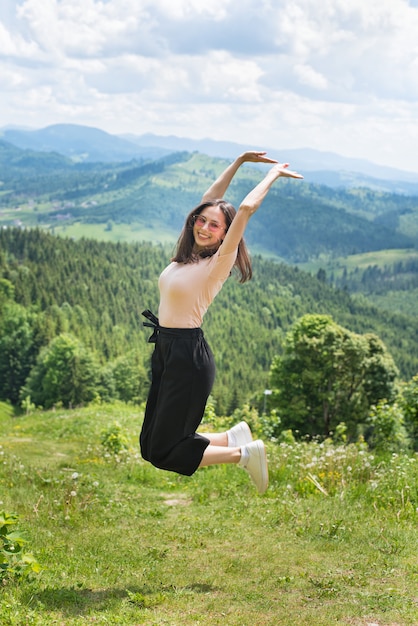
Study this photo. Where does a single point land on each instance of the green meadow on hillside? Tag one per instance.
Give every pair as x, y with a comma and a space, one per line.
362, 261
134, 233
388, 278
333, 541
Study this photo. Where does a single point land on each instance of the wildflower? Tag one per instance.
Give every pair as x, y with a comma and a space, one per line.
75, 475
73, 494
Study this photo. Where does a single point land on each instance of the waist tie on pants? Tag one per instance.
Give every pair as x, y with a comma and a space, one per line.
153, 323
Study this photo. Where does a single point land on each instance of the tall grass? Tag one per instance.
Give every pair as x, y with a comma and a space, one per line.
333, 541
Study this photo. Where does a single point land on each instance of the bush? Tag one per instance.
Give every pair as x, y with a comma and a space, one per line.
247, 414
408, 400
129, 378
386, 429
15, 563
65, 372
113, 440
271, 425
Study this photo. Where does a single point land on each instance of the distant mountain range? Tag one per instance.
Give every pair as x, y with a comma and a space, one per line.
88, 144
81, 143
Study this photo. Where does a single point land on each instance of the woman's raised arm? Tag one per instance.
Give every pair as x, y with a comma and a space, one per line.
251, 203
217, 190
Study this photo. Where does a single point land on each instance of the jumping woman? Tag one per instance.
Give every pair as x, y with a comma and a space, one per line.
211, 244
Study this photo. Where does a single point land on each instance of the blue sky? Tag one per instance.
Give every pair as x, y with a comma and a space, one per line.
331, 75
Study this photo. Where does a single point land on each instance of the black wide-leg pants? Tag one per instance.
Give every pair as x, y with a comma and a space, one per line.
183, 373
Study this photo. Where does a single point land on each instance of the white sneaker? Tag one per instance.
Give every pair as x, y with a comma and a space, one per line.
239, 435
254, 461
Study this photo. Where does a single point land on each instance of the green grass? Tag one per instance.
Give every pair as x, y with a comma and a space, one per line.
392, 300
133, 232
360, 261
129, 233
333, 541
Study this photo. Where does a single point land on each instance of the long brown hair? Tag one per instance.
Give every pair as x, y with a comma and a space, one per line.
185, 252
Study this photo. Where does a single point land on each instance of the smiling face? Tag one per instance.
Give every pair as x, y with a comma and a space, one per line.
210, 229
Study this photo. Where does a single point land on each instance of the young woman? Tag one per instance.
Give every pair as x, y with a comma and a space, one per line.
210, 245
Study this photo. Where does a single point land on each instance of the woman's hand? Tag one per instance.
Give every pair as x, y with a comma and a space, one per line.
280, 169
254, 156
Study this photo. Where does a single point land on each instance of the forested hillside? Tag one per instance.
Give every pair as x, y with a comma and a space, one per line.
299, 221
96, 291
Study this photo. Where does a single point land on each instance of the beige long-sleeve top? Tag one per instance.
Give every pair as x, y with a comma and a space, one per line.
187, 290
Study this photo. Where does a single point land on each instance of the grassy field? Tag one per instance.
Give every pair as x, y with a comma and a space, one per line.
28, 216
333, 541
396, 301
380, 258
128, 233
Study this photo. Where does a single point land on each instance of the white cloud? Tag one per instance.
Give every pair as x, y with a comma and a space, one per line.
184, 9
15, 46
10, 79
334, 75
308, 76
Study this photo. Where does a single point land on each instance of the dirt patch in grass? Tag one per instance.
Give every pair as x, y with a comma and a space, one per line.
178, 500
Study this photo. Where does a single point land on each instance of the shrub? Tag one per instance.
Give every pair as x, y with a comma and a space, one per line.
130, 378
408, 400
65, 372
113, 440
247, 414
386, 432
15, 562
271, 425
